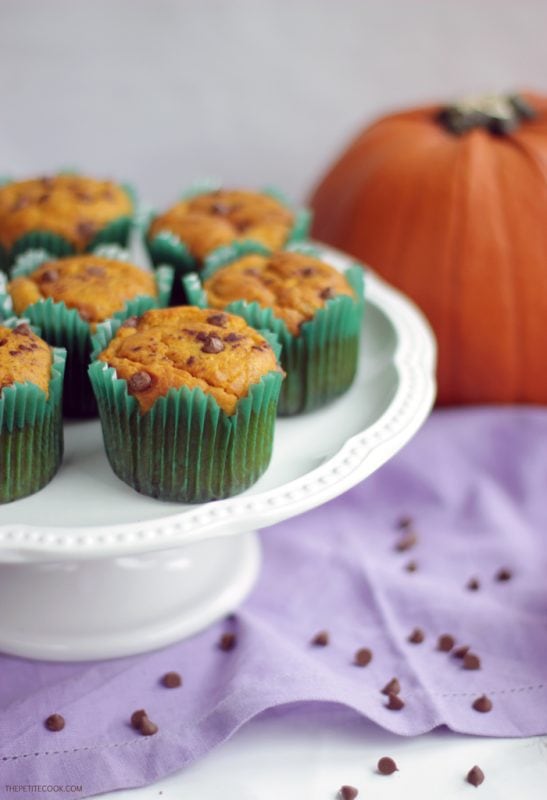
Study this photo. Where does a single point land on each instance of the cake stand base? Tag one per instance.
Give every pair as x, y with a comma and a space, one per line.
81, 610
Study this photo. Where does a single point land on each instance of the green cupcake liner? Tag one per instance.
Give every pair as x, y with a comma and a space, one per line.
185, 449
167, 248
117, 231
63, 327
31, 432
321, 362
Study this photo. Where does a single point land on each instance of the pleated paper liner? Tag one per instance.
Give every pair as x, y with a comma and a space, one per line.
167, 248
116, 231
64, 327
185, 448
321, 362
31, 431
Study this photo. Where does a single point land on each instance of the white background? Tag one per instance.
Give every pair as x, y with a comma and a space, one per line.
264, 91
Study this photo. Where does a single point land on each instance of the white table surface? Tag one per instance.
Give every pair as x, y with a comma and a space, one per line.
307, 753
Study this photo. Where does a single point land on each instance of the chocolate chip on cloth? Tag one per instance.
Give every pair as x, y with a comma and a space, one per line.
387, 766
417, 636
392, 687
362, 657
483, 704
227, 642
394, 703
475, 776
321, 639
55, 723
171, 680
445, 643
471, 661
348, 792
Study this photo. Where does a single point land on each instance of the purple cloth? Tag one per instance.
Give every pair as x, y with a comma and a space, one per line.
475, 482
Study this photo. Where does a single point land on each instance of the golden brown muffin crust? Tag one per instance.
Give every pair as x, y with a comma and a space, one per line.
193, 347
224, 216
24, 357
96, 287
293, 285
71, 206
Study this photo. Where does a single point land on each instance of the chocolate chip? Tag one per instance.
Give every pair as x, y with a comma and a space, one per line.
95, 271
405, 522
241, 225
392, 687
219, 320
49, 275
147, 727
406, 542
3, 342
348, 793
220, 208
411, 566
460, 652
213, 344
130, 322
417, 636
233, 337
139, 382
482, 704
137, 717
13, 352
43, 198
55, 723
201, 336
504, 574
227, 642
307, 272
252, 271
85, 229
321, 639
394, 702
387, 766
473, 584
86, 314
190, 361
475, 776
22, 329
362, 657
445, 642
327, 293
171, 680
471, 661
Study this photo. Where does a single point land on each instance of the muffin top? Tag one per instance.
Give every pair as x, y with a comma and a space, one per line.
218, 218
72, 206
292, 284
96, 287
187, 346
24, 357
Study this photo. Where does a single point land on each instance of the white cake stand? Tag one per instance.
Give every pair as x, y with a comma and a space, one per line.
90, 569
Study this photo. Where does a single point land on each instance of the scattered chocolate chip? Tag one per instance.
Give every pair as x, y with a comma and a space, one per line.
171, 680
348, 793
307, 272
139, 382
392, 687
387, 766
220, 208
241, 225
227, 642
362, 657
86, 314
3, 342
405, 522
471, 661
475, 776
416, 636
130, 322
13, 352
137, 717
445, 642
95, 271
321, 639
49, 275
482, 704
190, 361
219, 320
460, 652
327, 293
213, 344
504, 574
147, 727
233, 337
201, 336
473, 584
55, 723
85, 229
43, 198
394, 702
22, 329
406, 542
411, 566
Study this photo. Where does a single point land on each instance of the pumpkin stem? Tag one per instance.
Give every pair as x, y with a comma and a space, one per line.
500, 114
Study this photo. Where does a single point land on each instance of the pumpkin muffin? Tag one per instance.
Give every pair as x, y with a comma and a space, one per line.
68, 297
31, 379
65, 213
187, 399
314, 309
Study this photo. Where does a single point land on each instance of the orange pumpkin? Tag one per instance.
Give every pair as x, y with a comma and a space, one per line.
458, 221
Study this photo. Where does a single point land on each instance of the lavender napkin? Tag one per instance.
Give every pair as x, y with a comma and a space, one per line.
474, 482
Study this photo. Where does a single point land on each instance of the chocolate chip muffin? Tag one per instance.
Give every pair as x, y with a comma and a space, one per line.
31, 378
68, 297
200, 391
65, 213
314, 309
